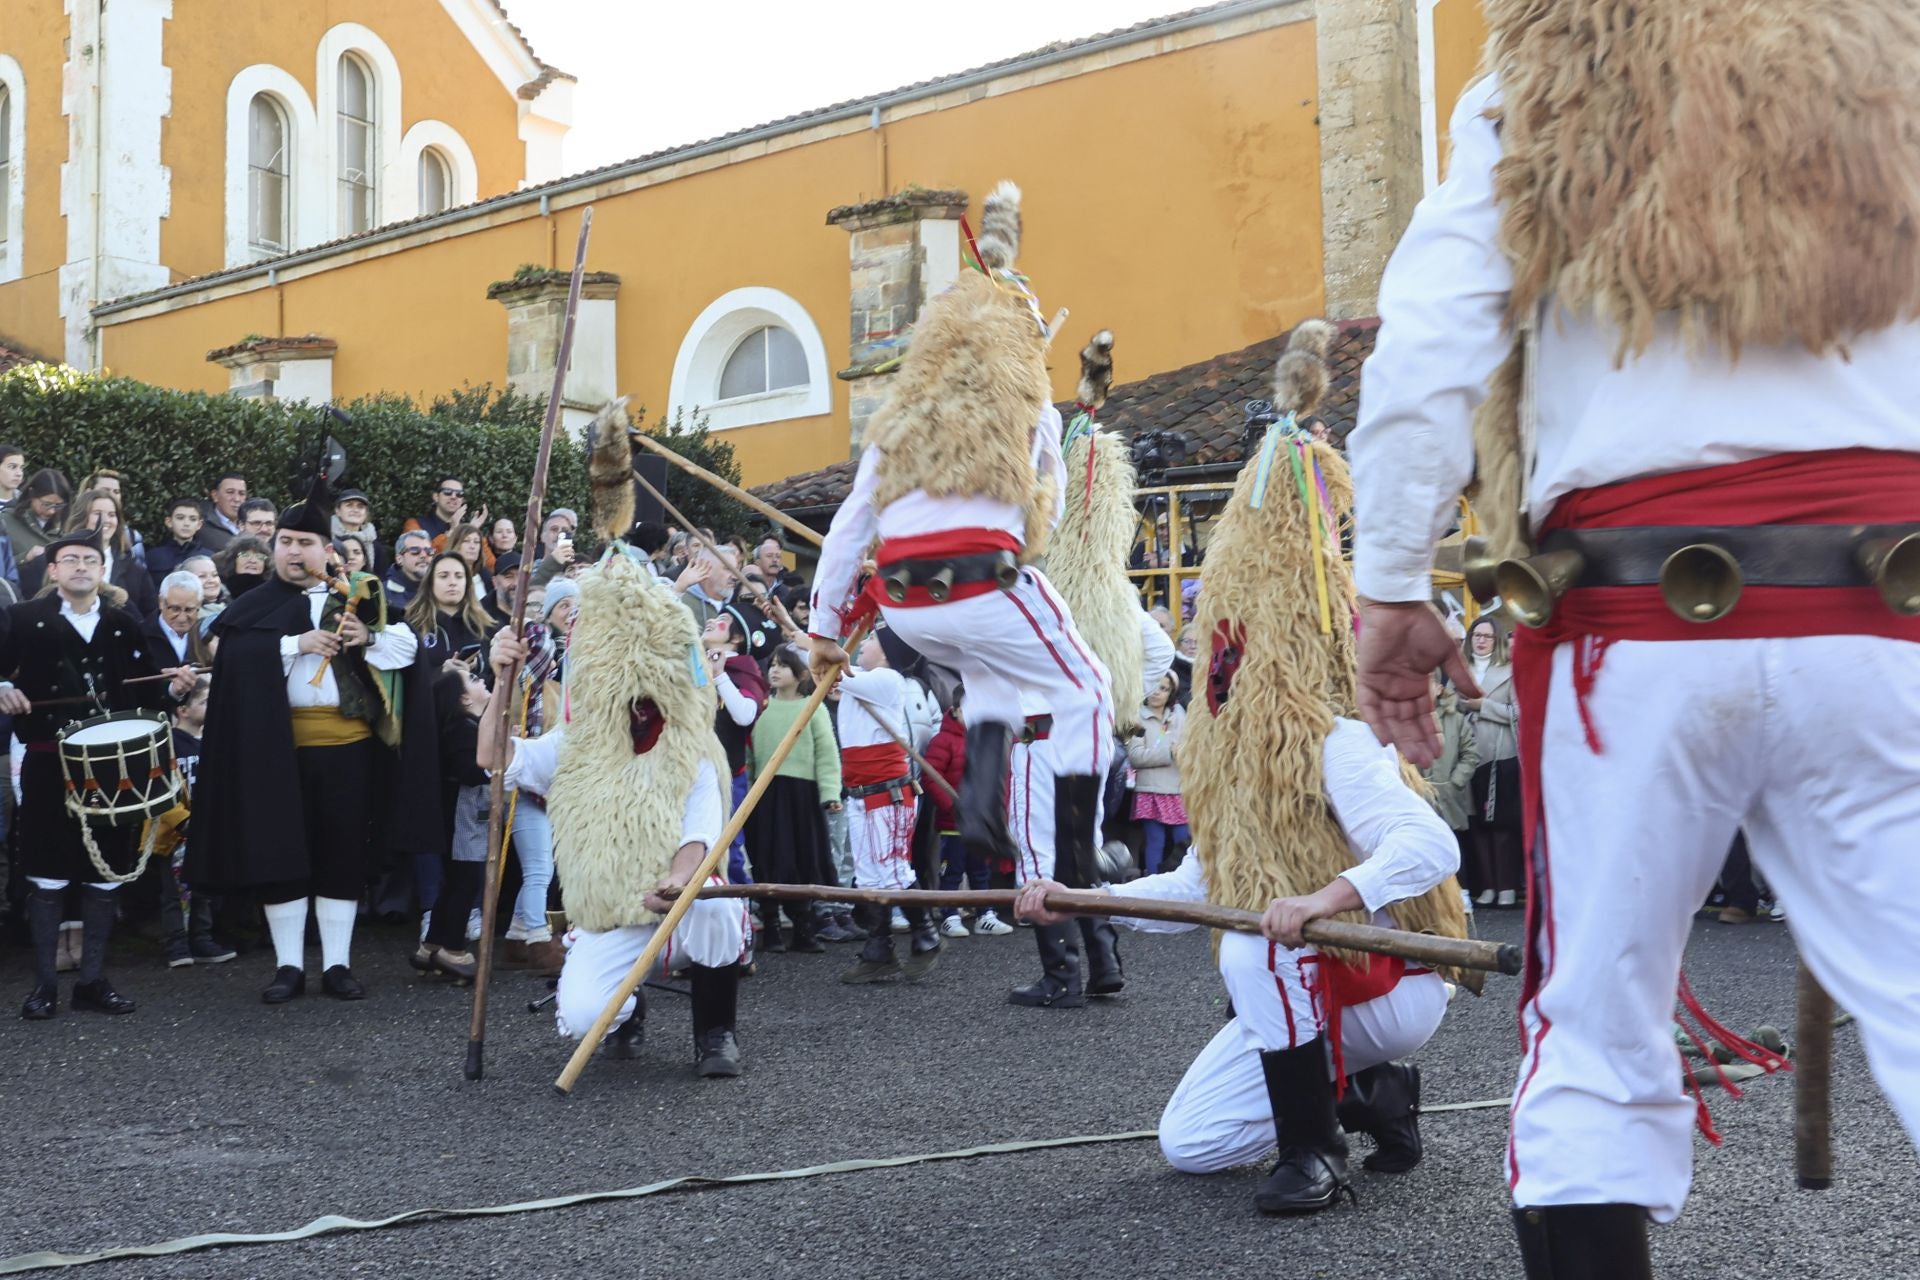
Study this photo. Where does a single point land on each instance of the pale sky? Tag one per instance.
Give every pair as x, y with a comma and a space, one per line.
660, 73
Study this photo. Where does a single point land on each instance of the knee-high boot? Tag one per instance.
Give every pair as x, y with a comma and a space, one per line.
716, 996
982, 808
1383, 1102
44, 908
923, 946
1311, 1172
1105, 977
93, 991
1059, 983
1584, 1242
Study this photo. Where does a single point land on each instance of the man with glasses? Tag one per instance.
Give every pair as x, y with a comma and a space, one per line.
174, 633
412, 552
449, 508
70, 644
257, 519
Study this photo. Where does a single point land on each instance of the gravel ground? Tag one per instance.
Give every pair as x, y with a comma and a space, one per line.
206, 1111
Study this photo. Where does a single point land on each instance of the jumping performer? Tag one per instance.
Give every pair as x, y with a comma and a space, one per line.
1662, 312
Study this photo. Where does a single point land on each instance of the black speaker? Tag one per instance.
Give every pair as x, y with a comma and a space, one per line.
646, 508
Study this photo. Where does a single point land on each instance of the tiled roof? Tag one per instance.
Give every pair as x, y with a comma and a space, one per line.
707, 146
548, 72
13, 357
1206, 402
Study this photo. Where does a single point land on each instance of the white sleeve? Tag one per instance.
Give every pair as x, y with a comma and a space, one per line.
877, 688
1047, 460
1406, 846
703, 820
1442, 334
740, 708
848, 537
1184, 883
532, 762
392, 647
1156, 653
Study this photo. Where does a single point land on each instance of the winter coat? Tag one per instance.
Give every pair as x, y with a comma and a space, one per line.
1494, 732
947, 753
1152, 753
1452, 774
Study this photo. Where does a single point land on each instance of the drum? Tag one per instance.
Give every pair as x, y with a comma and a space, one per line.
120, 767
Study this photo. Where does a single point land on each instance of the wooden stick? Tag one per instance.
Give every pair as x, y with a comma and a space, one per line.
496, 811
928, 771
729, 488
89, 699
693, 530
1812, 1084
1452, 953
681, 903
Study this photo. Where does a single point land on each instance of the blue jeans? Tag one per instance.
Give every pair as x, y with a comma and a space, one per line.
958, 863
533, 845
737, 872
1157, 834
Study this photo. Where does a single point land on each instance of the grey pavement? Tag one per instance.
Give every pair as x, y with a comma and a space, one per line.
206, 1111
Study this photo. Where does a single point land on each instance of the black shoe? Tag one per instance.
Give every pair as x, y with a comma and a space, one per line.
982, 805
716, 1054
1383, 1102
923, 951
340, 983
809, 945
206, 950
287, 983
877, 960
1059, 984
100, 997
1584, 1242
41, 1003
1105, 976
179, 954
1311, 1172
624, 1043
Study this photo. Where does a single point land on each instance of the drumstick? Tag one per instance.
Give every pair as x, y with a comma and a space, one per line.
70, 702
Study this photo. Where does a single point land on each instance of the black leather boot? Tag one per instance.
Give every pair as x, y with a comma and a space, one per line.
806, 924
624, 1040
1076, 810
1383, 1102
98, 912
923, 947
1059, 984
1105, 977
982, 808
716, 1053
1311, 1173
44, 907
876, 960
1584, 1242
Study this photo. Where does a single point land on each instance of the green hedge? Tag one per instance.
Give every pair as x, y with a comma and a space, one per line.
167, 443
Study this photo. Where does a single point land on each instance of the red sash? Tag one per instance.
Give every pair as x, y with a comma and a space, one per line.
944, 545
1335, 986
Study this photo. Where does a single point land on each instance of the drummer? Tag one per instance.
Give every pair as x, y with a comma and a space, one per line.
68, 656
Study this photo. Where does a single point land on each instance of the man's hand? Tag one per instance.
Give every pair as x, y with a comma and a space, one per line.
353, 632
14, 703
1032, 902
660, 900
1401, 645
324, 643
508, 650
182, 682
563, 551
1286, 918
824, 657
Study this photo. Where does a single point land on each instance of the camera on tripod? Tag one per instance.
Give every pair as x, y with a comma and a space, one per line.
1154, 452
1261, 416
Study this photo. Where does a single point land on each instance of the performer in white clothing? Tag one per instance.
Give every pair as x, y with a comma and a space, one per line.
1697, 383
960, 482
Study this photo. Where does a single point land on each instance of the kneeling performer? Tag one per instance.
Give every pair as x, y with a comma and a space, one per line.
1298, 812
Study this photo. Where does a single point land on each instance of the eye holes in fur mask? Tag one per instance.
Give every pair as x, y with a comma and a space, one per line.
1229, 640
645, 724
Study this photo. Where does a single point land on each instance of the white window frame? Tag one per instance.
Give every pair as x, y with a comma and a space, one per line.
713, 337
357, 189
394, 188
13, 196
286, 162
311, 194
453, 148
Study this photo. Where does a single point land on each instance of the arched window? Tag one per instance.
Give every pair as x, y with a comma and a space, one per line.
269, 189
357, 159
768, 359
436, 182
6, 165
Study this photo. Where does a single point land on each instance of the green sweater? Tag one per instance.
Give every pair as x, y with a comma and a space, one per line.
815, 754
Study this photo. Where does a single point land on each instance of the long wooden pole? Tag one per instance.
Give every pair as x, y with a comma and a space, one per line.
1452, 953
927, 771
732, 490
716, 851
783, 618
496, 812
1813, 1084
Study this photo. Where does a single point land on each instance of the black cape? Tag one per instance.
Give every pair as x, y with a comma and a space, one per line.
247, 809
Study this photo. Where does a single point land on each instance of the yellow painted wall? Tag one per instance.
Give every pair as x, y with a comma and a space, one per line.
1175, 199
442, 78
1459, 34
34, 33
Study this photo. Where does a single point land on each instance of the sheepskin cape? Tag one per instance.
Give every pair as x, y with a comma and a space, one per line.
617, 815
1746, 167
1087, 563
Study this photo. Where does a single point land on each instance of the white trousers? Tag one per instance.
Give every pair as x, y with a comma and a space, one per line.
1812, 745
1220, 1115
1030, 804
1015, 645
882, 841
713, 933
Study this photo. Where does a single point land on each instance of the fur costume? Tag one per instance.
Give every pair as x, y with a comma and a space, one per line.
1252, 761
610, 470
1742, 166
617, 812
960, 418
1087, 557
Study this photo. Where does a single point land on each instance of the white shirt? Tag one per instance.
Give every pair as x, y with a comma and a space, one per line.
856, 526
1442, 301
1404, 847
884, 691
84, 623
389, 649
535, 761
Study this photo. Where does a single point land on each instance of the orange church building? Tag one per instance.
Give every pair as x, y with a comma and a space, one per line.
342, 199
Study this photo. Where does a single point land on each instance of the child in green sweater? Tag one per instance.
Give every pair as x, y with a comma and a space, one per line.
787, 831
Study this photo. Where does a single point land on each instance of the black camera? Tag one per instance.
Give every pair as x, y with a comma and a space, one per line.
1261, 416
1155, 451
